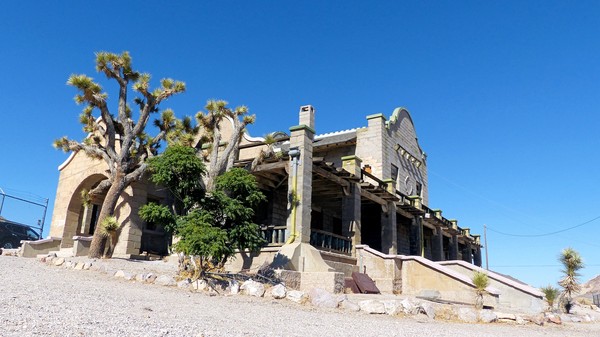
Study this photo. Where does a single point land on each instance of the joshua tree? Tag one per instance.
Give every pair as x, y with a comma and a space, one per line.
481, 281
551, 293
221, 156
572, 263
116, 138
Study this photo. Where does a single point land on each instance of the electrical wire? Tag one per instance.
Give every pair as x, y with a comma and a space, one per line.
544, 234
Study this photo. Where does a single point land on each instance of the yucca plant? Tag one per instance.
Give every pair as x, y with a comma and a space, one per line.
108, 229
551, 294
572, 263
481, 281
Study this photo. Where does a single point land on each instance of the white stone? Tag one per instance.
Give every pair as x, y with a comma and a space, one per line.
184, 283
119, 274
408, 307
199, 285
487, 316
349, 305
393, 307
427, 309
87, 266
278, 291
295, 296
468, 315
59, 261
253, 288
322, 298
372, 307
149, 278
165, 280
79, 266
234, 287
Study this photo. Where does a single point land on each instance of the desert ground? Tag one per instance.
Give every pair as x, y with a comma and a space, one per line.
37, 299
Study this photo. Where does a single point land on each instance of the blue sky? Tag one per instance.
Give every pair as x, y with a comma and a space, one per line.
504, 95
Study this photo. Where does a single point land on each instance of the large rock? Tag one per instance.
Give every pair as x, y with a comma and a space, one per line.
165, 280
427, 309
506, 316
408, 307
349, 305
552, 318
184, 283
372, 307
278, 291
322, 298
58, 261
233, 287
296, 296
537, 319
253, 288
468, 315
200, 285
487, 316
393, 307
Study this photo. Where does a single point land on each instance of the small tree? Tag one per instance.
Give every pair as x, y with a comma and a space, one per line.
116, 137
481, 282
551, 294
210, 226
572, 263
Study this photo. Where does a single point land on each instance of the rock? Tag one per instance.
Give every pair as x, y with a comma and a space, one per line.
200, 285
505, 316
576, 319
165, 280
322, 298
234, 287
129, 277
349, 305
392, 307
408, 307
295, 296
427, 309
278, 291
79, 266
587, 318
537, 319
487, 316
468, 315
140, 277
119, 274
51, 255
42, 259
150, 278
87, 265
372, 307
184, 283
552, 318
520, 320
59, 261
253, 288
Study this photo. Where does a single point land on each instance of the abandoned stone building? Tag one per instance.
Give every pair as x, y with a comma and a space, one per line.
340, 202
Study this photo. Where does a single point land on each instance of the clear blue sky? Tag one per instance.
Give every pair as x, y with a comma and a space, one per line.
505, 95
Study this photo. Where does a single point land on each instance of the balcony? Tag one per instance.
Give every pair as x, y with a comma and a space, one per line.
330, 242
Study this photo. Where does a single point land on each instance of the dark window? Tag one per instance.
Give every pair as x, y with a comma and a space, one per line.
394, 173
419, 189
316, 221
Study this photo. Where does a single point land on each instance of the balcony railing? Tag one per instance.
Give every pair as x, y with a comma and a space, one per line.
330, 242
275, 235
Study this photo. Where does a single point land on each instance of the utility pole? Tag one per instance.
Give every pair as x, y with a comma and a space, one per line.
487, 267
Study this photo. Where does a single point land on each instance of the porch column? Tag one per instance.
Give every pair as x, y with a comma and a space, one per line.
477, 256
351, 216
467, 255
438, 244
302, 136
453, 251
389, 233
86, 220
416, 236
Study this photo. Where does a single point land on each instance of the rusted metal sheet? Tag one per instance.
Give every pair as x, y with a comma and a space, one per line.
364, 283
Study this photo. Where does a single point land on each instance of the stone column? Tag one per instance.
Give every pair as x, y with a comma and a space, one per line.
477, 256
86, 220
467, 255
416, 236
302, 137
389, 232
438, 244
453, 251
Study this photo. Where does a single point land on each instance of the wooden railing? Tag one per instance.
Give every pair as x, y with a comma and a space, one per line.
330, 242
275, 235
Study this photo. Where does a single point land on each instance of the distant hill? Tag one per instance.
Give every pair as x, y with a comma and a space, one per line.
590, 287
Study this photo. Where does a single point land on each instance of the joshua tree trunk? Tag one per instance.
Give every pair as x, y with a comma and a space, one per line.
108, 207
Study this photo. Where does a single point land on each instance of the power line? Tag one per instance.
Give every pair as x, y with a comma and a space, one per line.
544, 234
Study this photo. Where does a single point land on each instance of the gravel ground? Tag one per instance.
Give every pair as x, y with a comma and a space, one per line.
41, 300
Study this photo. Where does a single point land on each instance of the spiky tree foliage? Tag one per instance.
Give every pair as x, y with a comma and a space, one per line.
572, 263
114, 136
551, 293
481, 282
221, 152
